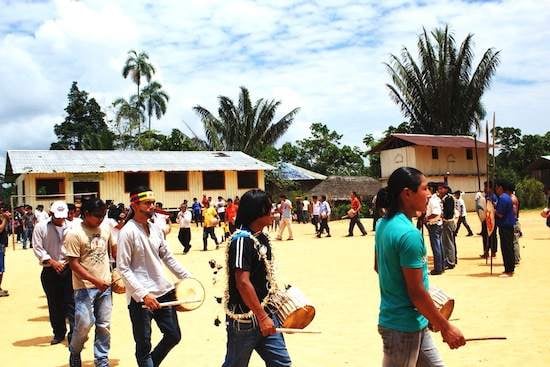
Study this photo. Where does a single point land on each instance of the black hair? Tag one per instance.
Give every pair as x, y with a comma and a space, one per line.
401, 178
114, 213
93, 205
505, 184
254, 204
139, 190
324, 197
159, 204
71, 206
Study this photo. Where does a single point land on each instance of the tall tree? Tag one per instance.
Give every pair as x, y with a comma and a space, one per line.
127, 122
244, 126
138, 66
439, 93
154, 100
84, 119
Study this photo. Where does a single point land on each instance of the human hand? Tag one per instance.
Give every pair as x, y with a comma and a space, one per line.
453, 336
57, 266
151, 302
101, 285
266, 325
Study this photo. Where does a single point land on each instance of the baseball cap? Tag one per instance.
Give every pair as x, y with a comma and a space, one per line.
59, 209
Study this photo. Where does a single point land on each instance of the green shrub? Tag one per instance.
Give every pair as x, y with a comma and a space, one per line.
530, 193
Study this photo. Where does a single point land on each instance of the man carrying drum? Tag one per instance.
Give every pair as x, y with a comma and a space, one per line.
401, 263
141, 251
250, 325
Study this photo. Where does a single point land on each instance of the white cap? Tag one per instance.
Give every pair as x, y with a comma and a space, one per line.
59, 209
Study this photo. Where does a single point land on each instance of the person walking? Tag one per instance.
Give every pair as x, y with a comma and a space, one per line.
141, 253
434, 223
210, 221
401, 263
88, 247
315, 213
324, 216
448, 228
286, 218
460, 208
354, 215
4, 220
184, 219
56, 276
505, 221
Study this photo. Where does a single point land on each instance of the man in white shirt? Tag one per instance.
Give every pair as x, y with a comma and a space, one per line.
220, 209
324, 215
461, 213
56, 276
434, 223
184, 220
141, 253
40, 214
161, 220
305, 210
315, 213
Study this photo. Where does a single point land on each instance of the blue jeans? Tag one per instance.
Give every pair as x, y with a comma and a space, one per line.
27, 235
244, 337
415, 349
167, 321
435, 232
92, 307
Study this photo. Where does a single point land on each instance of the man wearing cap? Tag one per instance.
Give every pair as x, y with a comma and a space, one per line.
56, 276
141, 253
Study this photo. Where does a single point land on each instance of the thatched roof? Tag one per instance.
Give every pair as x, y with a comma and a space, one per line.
340, 187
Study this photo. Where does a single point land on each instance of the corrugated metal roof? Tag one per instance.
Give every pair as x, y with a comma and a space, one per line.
289, 171
51, 161
449, 141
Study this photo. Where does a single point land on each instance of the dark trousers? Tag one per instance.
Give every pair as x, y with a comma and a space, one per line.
232, 228
315, 222
184, 236
323, 227
60, 297
352, 222
375, 216
462, 220
208, 231
507, 247
167, 321
491, 243
197, 217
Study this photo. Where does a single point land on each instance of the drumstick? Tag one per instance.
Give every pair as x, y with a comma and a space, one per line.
296, 331
175, 303
486, 338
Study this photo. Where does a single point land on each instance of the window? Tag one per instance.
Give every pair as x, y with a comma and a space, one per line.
435, 153
132, 180
213, 180
50, 186
469, 154
177, 180
247, 179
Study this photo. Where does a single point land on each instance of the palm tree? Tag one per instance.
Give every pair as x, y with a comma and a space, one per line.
154, 100
439, 94
128, 117
137, 66
245, 127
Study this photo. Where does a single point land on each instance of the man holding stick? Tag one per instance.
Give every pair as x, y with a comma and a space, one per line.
141, 251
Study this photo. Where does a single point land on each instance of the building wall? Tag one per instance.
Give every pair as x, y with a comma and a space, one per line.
111, 187
392, 159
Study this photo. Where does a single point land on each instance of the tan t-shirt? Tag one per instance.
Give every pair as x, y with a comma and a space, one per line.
89, 245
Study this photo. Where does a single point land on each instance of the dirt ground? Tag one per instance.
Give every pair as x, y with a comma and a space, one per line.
336, 275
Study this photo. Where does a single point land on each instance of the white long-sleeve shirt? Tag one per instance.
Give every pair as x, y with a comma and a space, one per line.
184, 219
47, 242
139, 261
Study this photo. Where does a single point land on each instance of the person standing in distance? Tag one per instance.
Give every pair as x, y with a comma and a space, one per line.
401, 263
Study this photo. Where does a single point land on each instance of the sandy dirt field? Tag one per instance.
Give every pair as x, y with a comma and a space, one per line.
337, 275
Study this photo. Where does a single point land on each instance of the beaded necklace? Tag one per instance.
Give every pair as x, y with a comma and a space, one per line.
270, 274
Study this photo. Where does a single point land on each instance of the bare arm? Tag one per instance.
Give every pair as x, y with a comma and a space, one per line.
423, 302
84, 274
250, 298
3, 222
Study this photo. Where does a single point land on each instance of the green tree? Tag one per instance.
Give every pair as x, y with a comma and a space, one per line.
84, 120
127, 122
244, 126
154, 100
439, 93
531, 193
323, 153
138, 66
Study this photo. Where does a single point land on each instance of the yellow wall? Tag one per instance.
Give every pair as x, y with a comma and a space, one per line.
111, 186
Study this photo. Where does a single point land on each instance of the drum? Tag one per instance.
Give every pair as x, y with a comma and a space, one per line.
442, 302
351, 213
292, 308
189, 294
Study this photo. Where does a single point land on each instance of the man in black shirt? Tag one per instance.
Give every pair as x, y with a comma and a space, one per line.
250, 325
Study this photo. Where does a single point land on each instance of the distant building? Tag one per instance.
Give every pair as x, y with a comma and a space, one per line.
439, 157
303, 178
540, 169
172, 175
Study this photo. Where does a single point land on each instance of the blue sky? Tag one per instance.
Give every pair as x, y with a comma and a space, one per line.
325, 57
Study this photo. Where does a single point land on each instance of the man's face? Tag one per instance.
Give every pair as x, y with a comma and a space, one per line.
94, 219
499, 190
442, 191
146, 208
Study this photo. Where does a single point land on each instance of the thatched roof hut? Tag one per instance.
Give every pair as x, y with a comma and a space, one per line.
338, 188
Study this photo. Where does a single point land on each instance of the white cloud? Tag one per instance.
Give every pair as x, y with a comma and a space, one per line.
324, 57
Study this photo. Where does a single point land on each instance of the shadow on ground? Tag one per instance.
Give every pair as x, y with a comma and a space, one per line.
112, 362
39, 341
39, 318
